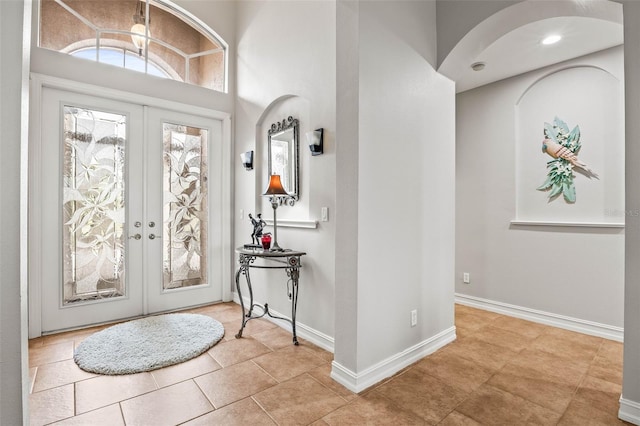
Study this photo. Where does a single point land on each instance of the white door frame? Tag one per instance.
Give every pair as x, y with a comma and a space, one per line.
35, 209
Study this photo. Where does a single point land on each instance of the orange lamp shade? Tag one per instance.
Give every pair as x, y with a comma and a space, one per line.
275, 186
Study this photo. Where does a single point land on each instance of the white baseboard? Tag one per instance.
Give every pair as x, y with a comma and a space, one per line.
314, 336
629, 411
357, 382
574, 324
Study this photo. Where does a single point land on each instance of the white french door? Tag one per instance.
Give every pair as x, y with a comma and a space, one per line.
185, 154
127, 202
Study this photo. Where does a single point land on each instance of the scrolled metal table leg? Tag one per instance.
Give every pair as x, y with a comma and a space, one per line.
248, 278
294, 274
245, 261
239, 334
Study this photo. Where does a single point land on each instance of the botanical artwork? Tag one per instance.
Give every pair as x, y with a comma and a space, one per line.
185, 193
93, 204
563, 146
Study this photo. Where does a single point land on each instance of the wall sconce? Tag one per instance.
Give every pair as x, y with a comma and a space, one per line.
247, 160
315, 140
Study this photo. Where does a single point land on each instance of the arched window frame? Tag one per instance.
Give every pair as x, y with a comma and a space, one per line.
175, 10
117, 45
203, 28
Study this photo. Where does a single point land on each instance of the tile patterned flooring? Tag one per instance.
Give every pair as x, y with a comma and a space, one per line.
500, 371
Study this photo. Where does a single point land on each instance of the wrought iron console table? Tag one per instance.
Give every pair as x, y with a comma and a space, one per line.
288, 260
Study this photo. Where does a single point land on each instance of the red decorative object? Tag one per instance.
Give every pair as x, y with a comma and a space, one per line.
266, 241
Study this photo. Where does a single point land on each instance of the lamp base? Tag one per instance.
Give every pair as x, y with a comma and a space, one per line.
276, 247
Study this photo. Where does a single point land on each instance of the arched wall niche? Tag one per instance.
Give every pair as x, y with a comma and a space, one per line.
280, 108
589, 97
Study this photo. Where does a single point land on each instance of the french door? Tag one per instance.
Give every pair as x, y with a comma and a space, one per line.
128, 210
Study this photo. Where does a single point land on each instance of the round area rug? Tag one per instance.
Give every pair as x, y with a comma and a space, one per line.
148, 343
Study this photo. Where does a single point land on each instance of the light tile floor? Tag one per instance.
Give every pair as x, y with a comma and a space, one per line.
500, 371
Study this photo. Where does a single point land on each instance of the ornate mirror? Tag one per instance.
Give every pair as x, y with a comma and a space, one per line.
283, 154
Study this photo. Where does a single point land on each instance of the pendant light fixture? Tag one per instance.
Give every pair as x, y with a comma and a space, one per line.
139, 29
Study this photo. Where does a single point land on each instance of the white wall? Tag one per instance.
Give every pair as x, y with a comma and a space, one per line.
403, 193
573, 272
347, 172
13, 325
406, 191
287, 49
630, 401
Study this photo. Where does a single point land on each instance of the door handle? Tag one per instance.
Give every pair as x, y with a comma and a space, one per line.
153, 236
136, 237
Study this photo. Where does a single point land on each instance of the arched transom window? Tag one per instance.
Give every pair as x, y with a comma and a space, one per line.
151, 36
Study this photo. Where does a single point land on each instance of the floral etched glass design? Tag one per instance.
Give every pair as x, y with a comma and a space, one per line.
93, 205
184, 206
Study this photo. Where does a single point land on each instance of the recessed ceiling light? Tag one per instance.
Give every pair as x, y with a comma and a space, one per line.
551, 39
478, 66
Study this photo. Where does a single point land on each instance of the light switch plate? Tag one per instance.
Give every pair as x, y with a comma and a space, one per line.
325, 214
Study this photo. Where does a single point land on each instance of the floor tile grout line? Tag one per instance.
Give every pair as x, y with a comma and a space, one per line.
265, 371
324, 386
121, 400
33, 381
341, 407
262, 408
208, 352
207, 397
469, 394
390, 401
586, 373
124, 421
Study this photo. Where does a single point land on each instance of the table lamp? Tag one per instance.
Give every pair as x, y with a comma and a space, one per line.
276, 193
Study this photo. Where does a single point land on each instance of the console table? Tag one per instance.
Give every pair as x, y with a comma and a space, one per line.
289, 260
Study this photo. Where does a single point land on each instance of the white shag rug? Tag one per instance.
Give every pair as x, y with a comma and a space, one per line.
148, 343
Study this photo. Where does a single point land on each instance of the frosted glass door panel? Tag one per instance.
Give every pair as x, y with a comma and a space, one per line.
185, 203
93, 216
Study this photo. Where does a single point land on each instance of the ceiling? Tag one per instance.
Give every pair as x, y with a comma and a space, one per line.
521, 50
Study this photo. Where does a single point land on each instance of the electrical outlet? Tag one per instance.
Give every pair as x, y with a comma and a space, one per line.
325, 214
465, 278
414, 318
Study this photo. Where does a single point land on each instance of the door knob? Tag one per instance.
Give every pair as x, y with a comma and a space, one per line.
152, 224
136, 236
153, 237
